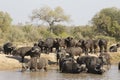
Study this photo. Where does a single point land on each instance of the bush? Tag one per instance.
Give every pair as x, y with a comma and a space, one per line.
15, 34
58, 29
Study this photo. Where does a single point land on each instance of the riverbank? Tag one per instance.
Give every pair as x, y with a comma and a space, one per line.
8, 62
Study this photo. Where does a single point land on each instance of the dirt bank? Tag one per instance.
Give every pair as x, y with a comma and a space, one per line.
8, 62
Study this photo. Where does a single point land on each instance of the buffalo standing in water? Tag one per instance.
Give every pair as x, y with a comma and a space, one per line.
35, 64
69, 65
93, 64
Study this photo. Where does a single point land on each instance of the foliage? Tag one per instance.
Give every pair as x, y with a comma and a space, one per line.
58, 29
15, 34
107, 22
113, 13
5, 21
64, 35
81, 32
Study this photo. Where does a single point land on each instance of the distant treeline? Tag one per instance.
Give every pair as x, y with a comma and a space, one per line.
105, 24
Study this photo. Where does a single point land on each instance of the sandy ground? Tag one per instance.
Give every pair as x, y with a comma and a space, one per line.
8, 62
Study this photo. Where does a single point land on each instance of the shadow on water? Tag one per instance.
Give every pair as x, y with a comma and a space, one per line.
112, 74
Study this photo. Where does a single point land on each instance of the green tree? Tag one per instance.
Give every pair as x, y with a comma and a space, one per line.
81, 32
113, 13
58, 29
102, 22
5, 21
51, 16
107, 22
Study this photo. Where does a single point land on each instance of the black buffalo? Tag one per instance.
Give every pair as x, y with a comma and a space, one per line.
69, 65
93, 64
61, 54
36, 64
61, 43
70, 42
105, 56
50, 43
35, 51
87, 46
41, 44
119, 66
27, 51
8, 48
95, 45
74, 51
22, 52
80, 44
103, 45
113, 48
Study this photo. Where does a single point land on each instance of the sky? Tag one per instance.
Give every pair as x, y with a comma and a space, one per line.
80, 11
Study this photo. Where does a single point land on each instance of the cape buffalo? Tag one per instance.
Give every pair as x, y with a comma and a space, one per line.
74, 51
113, 48
119, 65
69, 65
60, 54
93, 64
36, 64
41, 44
70, 42
105, 56
27, 51
8, 48
103, 45
22, 52
49, 43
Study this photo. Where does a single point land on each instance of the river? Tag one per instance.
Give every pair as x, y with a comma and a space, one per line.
112, 74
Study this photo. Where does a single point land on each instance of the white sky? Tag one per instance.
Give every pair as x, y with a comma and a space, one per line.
81, 11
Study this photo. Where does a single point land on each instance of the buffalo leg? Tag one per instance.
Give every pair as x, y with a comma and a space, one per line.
22, 59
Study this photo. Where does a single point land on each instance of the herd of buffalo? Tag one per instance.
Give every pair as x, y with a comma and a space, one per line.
65, 50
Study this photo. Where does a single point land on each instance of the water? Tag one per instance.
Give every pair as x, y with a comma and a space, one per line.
112, 74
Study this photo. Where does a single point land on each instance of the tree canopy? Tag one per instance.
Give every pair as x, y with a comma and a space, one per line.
5, 21
51, 16
107, 21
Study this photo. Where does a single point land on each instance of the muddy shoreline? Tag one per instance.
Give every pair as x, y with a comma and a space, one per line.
9, 62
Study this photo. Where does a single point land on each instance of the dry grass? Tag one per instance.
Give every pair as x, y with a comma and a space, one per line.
115, 57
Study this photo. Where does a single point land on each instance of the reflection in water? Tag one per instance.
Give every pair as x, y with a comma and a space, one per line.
112, 74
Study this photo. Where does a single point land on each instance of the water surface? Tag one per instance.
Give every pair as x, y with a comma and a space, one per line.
112, 74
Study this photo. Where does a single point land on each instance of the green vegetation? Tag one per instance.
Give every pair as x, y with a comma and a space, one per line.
5, 21
105, 24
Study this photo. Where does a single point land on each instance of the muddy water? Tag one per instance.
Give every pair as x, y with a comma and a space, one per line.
112, 74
